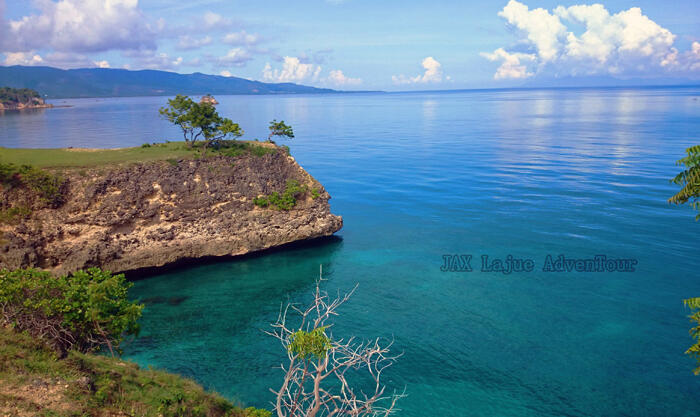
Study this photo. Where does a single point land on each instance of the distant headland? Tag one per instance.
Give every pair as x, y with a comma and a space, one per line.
108, 82
21, 98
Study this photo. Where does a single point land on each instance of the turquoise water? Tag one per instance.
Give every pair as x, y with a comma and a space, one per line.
416, 176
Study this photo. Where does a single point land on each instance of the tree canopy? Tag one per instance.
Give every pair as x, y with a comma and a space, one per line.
689, 180
199, 121
280, 129
17, 95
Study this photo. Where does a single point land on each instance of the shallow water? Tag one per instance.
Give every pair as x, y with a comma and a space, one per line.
416, 176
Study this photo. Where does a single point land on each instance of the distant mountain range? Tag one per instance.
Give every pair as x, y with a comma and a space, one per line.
107, 82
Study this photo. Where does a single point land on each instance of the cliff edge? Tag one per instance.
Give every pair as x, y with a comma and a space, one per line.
150, 214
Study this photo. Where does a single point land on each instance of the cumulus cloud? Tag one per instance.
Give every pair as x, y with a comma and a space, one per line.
626, 43
293, 70
241, 38
146, 59
225, 73
53, 59
187, 42
80, 26
512, 66
212, 20
237, 57
23, 58
432, 74
337, 78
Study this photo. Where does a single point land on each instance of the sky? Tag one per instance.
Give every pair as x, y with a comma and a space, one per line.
364, 45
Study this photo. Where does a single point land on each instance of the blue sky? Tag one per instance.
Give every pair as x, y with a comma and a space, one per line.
360, 45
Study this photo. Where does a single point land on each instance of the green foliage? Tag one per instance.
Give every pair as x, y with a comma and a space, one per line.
86, 311
47, 185
146, 145
288, 199
689, 180
13, 215
257, 412
101, 385
313, 344
280, 129
10, 96
694, 351
199, 120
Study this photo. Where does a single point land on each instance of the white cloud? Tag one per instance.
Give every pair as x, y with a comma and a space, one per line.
53, 59
241, 38
627, 43
145, 59
542, 28
213, 20
80, 26
336, 77
512, 66
225, 73
23, 58
186, 42
237, 57
432, 74
292, 71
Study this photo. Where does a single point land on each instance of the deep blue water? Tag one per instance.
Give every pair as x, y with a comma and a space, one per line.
416, 176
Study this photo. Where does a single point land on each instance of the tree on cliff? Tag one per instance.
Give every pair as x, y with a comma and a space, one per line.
280, 129
689, 180
199, 120
324, 375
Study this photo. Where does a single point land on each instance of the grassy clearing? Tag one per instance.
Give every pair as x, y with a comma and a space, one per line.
78, 158
33, 378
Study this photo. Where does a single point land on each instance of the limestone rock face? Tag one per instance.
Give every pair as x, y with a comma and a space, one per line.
153, 214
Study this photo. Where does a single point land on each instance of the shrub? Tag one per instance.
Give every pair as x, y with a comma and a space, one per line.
14, 214
86, 311
287, 200
50, 187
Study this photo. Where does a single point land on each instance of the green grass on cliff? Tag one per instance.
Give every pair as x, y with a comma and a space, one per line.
35, 382
76, 158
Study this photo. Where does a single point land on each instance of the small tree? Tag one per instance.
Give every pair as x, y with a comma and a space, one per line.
320, 368
199, 120
280, 129
178, 112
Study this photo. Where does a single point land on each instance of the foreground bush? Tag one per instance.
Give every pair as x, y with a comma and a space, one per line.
86, 311
33, 381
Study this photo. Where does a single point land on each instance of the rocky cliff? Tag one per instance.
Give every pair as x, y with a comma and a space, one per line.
147, 215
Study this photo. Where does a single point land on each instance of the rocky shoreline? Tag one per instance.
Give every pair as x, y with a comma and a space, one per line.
36, 103
154, 214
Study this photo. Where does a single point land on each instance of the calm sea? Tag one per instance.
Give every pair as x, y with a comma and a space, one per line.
416, 176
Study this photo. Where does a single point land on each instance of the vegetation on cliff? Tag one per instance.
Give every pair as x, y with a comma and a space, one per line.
199, 121
288, 198
87, 311
14, 98
48, 327
9, 96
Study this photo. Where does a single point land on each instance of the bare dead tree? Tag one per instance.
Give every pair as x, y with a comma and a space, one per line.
324, 375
